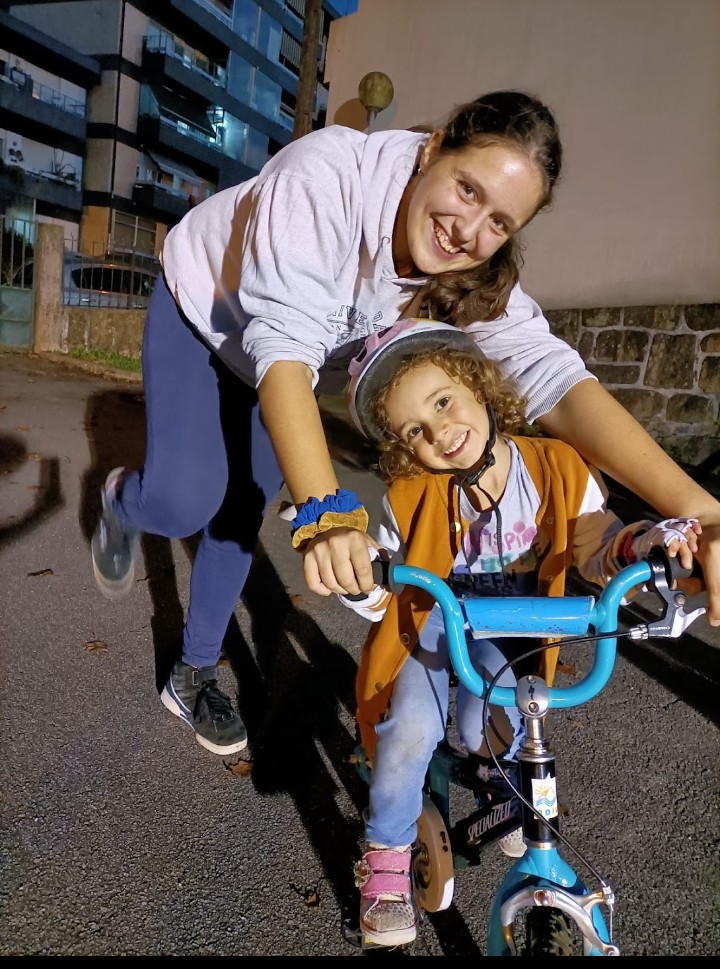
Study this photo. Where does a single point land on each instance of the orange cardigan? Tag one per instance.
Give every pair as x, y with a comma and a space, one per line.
420, 506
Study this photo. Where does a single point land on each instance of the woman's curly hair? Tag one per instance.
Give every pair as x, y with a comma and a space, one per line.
480, 375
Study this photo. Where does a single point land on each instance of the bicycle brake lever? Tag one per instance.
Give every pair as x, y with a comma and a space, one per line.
674, 620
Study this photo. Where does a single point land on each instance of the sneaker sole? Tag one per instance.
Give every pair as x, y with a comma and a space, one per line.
513, 850
114, 590
396, 937
171, 704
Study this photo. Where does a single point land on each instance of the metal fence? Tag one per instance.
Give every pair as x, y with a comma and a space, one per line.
17, 250
103, 277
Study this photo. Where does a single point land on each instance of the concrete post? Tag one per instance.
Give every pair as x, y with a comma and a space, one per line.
49, 316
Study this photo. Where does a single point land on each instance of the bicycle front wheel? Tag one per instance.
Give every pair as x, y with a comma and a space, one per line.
548, 932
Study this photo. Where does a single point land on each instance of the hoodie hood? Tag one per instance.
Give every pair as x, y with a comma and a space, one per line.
388, 158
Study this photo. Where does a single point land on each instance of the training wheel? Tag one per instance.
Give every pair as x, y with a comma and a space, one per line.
432, 861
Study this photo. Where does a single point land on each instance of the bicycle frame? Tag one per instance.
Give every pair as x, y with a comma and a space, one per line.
541, 877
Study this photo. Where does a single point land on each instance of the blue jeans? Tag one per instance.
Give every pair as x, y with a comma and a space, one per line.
209, 467
416, 724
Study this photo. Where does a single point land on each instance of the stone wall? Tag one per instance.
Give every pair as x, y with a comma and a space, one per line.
108, 330
660, 362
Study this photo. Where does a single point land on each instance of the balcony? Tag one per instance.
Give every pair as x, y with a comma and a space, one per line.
217, 10
164, 57
183, 139
52, 191
40, 112
169, 203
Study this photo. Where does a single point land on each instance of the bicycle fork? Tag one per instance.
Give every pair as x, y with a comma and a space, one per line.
537, 784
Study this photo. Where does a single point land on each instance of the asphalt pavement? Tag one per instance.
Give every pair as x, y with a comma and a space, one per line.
120, 835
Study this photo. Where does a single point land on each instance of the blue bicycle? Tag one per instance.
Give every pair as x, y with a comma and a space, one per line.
541, 890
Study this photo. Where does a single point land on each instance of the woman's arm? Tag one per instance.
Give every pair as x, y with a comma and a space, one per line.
336, 561
607, 436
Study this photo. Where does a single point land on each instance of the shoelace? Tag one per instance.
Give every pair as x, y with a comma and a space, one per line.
211, 698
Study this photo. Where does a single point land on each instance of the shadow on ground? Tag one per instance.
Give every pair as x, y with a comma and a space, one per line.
48, 494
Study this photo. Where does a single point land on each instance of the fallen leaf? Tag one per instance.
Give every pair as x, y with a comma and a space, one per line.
22, 427
563, 811
297, 597
223, 662
96, 646
311, 896
3, 406
41, 572
34, 456
566, 668
243, 768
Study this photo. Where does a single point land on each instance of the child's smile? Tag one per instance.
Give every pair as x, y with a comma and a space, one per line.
439, 418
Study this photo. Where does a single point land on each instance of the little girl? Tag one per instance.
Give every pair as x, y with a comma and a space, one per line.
491, 514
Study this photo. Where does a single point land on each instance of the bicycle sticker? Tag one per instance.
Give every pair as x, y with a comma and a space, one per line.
544, 795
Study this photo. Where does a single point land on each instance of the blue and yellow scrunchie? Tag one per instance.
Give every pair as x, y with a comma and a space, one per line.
342, 510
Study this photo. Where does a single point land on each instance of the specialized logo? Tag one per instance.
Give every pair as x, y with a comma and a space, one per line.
498, 814
544, 795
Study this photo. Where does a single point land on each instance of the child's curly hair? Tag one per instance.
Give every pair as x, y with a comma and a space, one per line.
479, 374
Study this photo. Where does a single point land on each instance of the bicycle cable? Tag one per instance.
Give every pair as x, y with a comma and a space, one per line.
614, 634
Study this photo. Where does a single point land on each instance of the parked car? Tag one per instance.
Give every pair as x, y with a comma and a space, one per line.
112, 282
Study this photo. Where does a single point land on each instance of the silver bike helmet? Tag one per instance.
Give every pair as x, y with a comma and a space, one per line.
374, 367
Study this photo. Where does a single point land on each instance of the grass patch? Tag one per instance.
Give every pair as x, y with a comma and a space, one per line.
117, 360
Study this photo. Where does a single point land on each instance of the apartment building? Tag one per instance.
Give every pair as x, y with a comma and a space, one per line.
192, 96
43, 100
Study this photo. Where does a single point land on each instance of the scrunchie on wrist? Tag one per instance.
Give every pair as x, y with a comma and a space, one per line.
342, 510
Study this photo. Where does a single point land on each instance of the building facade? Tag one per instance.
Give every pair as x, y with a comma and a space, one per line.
43, 123
181, 98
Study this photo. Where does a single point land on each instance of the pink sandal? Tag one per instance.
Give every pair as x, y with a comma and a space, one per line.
387, 913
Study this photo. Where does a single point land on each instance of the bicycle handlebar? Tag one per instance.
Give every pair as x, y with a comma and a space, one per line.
544, 617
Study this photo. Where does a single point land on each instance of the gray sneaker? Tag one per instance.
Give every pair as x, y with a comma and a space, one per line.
114, 546
193, 694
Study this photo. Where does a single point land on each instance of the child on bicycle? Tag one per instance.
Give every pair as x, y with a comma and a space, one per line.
489, 512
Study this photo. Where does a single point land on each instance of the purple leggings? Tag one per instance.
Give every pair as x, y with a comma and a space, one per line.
209, 465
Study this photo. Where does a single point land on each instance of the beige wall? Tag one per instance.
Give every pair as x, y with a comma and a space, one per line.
95, 229
635, 86
135, 28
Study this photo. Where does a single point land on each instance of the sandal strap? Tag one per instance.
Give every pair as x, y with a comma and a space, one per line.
385, 883
387, 860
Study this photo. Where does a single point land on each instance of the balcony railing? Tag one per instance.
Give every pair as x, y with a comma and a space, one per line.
183, 128
41, 92
178, 193
220, 12
296, 8
190, 58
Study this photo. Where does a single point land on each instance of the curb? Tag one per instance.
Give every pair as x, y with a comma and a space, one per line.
92, 367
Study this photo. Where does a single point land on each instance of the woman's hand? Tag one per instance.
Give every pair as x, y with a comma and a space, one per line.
595, 424
337, 561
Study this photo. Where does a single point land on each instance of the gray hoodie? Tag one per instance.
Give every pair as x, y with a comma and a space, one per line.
296, 264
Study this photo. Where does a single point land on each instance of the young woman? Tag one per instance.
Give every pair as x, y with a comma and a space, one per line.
270, 288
